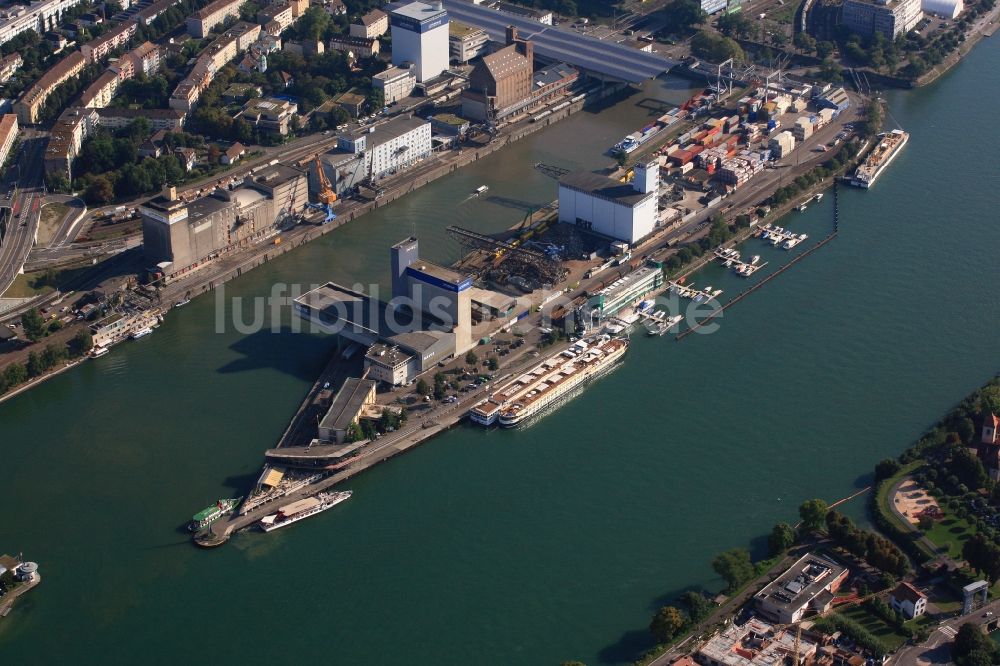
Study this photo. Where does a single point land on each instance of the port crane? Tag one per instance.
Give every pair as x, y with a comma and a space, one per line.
326, 195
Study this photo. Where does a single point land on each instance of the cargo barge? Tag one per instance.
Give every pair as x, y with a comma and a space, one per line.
884, 153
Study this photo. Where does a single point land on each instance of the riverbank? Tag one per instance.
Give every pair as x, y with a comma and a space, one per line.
986, 26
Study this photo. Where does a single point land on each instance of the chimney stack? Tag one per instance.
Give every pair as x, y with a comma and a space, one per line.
511, 34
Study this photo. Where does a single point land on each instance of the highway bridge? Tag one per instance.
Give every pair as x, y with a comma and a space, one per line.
560, 45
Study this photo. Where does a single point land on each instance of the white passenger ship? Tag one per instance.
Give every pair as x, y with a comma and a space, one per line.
543, 385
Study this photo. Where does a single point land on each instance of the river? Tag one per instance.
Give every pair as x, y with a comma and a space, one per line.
531, 547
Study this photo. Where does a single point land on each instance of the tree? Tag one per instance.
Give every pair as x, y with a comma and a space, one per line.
354, 433
813, 514
781, 539
969, 469
471, 358
973, 648
734, 566
100, 191
715, 47
82, 342
666, 623
805, 42
684, 15
422, 387
35, 366
14, 374
698, 606
34, 325
886, 469
825, 49
492, 363
735, 25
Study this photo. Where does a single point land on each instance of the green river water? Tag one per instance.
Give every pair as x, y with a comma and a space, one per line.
495, 548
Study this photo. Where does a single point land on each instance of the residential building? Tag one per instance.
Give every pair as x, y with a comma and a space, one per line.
626, 212
807, 587
989, 445
150, 13
299, 7
543, 16
9, 66
179, 236
30, 105
233, 153
145, 58
334, 7
891, 18
392, 146
118, 326
372, 25
466, 42
116, 38
395, 83
756, 643
359, 47
114, 118
66, 138
420, 37
501, 81
100, 93
908, 600
221, 51
213, 14
280, 12
8, 135
40, 16
345, 409
269, 114
188, 157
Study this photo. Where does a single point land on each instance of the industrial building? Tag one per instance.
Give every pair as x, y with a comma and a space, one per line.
420, 37
380, 151
346, 408
543, 16
948, 9
466, 42
179, 236
626, 212
427, 320
782, 144
372, 25
625, 291
835, 98
888, 17
808, 586
755, 643
396, 83
501, 80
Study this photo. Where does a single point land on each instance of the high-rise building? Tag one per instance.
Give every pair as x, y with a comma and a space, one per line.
420, 37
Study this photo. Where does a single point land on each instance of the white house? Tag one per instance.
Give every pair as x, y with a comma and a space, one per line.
908, 600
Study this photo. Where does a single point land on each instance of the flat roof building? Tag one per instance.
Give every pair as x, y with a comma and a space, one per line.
891, 18
420, 37
625, 291
808, 586
466, 42
622, 211
396, 83
755, 643
346, 409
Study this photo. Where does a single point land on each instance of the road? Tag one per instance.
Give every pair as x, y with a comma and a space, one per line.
25, 206
937, 648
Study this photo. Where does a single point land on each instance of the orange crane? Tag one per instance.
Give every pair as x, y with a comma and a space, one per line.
326, 194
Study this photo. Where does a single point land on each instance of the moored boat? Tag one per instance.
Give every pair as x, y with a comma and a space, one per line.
302, 509
209, 515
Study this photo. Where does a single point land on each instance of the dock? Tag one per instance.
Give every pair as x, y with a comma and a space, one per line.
781, 237
730, 258
691, 292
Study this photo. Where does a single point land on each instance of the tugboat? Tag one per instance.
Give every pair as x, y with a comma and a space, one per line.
209, 515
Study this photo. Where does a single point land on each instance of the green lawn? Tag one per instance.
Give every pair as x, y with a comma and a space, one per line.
951, 533
876, 625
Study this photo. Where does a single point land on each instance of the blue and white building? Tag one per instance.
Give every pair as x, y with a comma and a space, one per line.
420, 37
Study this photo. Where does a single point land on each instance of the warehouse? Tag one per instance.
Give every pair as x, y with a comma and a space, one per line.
346, 408
604, 205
